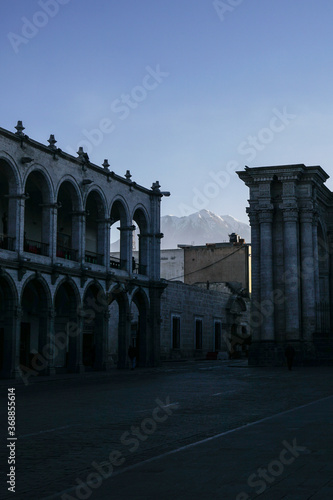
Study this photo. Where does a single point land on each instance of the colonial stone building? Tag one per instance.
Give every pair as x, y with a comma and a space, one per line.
291, 217
58, 285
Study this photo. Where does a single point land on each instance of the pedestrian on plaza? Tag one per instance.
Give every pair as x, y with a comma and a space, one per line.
132, 356
289, 353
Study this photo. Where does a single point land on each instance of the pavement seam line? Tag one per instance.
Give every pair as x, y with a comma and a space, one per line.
186, 447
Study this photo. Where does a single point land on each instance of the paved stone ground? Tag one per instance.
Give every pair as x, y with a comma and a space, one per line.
64, 426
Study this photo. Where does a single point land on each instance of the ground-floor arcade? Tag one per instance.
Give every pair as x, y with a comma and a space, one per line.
48, 328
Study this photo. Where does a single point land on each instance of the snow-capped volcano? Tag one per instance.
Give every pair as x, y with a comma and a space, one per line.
201, 228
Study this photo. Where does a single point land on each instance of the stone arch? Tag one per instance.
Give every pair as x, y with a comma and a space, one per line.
68, 219
67, 328
9, 188
8, 306
93, 312
141, 333
95, 237
119, 213
118, 325
37, 213
35, 350
141, 219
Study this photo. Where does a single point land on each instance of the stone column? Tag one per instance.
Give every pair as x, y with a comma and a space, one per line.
50, 341
307, 275
255, 275
292, 281
15, 359
155, 229
266, 275
79, 340
126, 238
330, 252
316, 267
79, 234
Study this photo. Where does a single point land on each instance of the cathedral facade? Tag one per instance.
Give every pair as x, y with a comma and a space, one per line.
58, 285
291, 217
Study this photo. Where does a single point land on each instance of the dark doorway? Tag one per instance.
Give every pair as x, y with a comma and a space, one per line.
88, 349
25, 358
2, 346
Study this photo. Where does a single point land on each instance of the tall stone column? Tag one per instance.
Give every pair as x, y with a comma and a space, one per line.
307, 275
266, 275
79, 234
292, 281
155, 212
15, 359
316, 267
330, 252
126, 239
50, 341
255, 275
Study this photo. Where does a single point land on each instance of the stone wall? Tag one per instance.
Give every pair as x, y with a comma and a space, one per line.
190, 303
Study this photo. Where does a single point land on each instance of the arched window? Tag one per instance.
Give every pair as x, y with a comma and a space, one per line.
8, 190
37, 215
68, 231
95, 229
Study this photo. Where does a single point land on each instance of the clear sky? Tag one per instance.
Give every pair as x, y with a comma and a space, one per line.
180, 91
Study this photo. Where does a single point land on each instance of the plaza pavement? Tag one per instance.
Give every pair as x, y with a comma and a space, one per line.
286, 456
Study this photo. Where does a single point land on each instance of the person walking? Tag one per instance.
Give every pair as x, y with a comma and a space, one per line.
290, 354
132, 356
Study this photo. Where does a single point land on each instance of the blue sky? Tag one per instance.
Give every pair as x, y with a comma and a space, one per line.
184, 92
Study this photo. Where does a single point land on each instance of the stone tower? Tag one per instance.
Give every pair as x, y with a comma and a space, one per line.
291, 217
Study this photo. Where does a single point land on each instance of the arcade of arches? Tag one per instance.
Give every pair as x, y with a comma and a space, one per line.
66, 304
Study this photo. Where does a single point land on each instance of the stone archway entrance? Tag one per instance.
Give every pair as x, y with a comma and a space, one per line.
94, 328
7, 329
66, 345
34, 326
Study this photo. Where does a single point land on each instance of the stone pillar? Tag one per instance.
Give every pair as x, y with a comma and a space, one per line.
126, 238
124, 333
307, 275
50, 213
255, 262
155, 229
79, 339
292, 281
330, 252
266, 275
50, 341
15, 358
79, 234
107, 244
316, 267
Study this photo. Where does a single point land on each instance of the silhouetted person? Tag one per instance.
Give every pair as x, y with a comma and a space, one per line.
289, 352
132, 356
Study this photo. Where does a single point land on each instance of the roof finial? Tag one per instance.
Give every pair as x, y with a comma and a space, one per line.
19, 127
52, 142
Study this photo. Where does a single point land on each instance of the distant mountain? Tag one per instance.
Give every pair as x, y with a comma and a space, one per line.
201, 228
